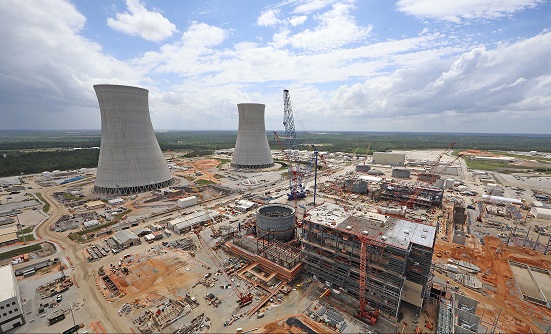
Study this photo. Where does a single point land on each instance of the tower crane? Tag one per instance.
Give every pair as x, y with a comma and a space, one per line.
298, 173
244, 298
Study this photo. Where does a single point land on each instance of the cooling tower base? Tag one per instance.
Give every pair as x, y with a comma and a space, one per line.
252, 166
132, 190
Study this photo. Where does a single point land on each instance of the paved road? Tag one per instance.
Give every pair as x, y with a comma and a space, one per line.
84, 277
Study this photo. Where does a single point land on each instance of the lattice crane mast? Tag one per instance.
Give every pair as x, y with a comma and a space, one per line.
244, 298
298, 174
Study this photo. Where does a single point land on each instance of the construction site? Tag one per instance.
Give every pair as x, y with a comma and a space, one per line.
245, 244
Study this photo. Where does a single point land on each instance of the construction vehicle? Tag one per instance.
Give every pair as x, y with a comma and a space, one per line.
243, 298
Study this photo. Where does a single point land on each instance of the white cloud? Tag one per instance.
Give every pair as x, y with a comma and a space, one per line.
48, 73
268, 18
455, 11
336, 28
309, 6
138, 21
297, 20
501, 82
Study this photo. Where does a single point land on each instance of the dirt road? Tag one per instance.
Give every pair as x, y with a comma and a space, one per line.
84, 277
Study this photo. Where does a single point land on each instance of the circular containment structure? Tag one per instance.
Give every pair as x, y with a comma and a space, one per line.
279, 218
363, 168
130, 159
400, 173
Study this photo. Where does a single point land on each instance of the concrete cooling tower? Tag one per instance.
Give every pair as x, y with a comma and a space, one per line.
251, 147
130, 158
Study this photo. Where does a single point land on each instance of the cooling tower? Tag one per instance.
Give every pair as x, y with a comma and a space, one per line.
130, 159
251, 147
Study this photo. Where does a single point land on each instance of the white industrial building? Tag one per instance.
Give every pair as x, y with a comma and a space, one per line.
541, 213
187, 202
11, 313
389, 158
186, 223
130, 158
252, 150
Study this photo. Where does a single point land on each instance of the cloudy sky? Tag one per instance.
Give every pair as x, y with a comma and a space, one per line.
367, 65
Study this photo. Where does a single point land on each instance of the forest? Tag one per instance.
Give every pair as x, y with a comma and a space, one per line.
26, 152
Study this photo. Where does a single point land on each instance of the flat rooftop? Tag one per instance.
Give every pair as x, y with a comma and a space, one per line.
7, 283
393, 231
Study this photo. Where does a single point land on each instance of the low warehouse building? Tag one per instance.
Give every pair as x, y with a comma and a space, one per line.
126, 238
541, 213
389, 158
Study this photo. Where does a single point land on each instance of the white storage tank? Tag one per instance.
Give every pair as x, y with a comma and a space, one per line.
449, 183
440, 183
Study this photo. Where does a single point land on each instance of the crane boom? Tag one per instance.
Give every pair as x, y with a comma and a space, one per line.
244, 298
298, 174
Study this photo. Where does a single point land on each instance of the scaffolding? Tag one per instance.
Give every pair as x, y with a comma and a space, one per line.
334, 255
421, 196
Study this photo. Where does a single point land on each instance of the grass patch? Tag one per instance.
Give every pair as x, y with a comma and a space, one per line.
26, 237
19, 251
69, 197
491, 165
203, 182
222, 161
46, 206
79, 236
26, 230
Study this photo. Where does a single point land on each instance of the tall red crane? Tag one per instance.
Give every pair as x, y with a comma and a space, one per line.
244, 298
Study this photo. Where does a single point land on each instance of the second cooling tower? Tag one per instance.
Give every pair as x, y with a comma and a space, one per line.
130, 159
251, 147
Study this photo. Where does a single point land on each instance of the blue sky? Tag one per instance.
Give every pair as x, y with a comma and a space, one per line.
369, 65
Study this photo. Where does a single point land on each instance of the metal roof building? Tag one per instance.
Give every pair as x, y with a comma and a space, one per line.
130, 158
251, 147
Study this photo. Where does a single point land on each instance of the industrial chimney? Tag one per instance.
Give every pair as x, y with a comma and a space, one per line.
130, 158
251, 147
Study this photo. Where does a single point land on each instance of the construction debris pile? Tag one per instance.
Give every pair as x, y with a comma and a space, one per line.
54, 287
156, 318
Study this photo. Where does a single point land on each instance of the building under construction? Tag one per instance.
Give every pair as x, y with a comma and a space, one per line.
416, 195
398, 259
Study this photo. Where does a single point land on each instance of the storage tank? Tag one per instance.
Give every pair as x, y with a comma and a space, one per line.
363, 168
130, 159
449, 183
252, 150
279, 218
401, 173
439, 183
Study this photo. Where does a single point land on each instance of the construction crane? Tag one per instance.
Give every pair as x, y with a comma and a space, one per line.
243, 298
298, 173
365, 312
367, 152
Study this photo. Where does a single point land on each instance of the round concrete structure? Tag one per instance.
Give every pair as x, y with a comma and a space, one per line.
363, 168
279, 218
401, 173
130, 159
252, 150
